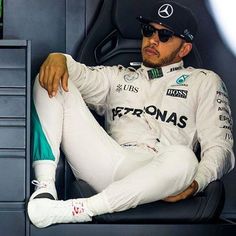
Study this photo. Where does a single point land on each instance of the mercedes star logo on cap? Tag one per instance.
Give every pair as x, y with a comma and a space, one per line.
165, 11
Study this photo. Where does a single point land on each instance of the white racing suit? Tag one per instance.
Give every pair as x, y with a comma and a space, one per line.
155, 119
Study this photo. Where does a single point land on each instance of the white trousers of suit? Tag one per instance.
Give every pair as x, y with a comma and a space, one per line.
124, 177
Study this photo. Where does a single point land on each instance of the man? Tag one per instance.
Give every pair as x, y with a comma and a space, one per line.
155, 118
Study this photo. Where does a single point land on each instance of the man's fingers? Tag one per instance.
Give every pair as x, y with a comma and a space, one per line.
49, 81
174, 198
45, 78
185, 194
64, 81
41, 75
55, 84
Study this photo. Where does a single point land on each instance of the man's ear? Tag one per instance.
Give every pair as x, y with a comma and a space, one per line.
185, 50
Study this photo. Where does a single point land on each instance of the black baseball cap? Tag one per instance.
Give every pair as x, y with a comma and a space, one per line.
175, 17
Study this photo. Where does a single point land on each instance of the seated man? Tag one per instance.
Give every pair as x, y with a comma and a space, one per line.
155, 117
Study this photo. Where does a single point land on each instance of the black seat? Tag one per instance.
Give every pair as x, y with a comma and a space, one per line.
204, 207
115, 39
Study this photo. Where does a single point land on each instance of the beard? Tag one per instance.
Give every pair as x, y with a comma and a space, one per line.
170, 59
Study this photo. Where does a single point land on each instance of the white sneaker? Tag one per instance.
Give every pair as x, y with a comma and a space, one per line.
44, 189
44, 212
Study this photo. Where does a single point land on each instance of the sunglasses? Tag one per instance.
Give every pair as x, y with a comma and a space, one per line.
163, 34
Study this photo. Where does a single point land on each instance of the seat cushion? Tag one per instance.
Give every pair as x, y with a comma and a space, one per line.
204, 207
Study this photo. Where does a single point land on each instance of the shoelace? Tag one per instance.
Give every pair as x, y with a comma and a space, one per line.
39, 184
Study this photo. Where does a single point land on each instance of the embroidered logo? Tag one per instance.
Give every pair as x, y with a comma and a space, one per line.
165, 11
182, 79
177, 93
155, 73
130, 77
119, 88
126, 87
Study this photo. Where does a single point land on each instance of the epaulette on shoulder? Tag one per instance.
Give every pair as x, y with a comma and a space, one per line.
202, 72
120, 67
131, 68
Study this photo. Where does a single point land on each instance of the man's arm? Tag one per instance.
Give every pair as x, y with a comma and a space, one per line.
93, 82
214, 129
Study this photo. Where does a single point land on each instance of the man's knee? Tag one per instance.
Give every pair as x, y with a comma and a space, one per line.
181, 156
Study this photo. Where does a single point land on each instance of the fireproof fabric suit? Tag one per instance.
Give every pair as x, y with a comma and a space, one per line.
147, 112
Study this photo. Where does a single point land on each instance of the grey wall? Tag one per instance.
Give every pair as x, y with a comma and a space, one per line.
51, 25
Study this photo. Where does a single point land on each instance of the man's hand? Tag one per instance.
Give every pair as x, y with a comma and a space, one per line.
53, 72
185, 194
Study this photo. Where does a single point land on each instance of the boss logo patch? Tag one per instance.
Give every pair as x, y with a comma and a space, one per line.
177, 93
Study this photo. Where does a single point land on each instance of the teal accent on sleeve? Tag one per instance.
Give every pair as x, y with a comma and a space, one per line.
40, 146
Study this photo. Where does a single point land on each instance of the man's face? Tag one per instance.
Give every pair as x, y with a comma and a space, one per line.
156, 53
